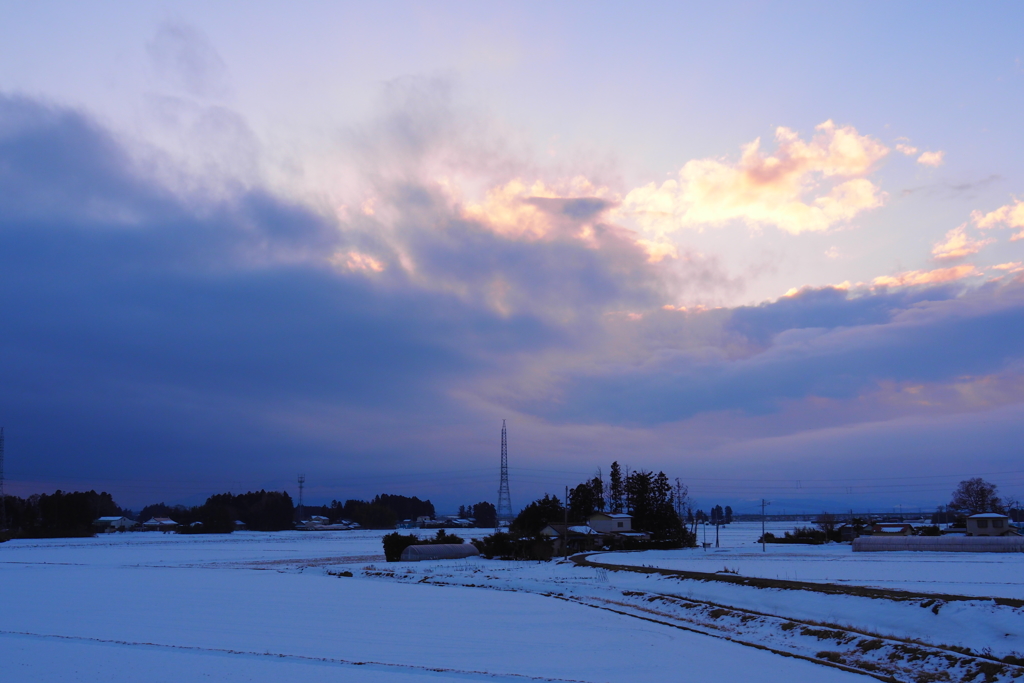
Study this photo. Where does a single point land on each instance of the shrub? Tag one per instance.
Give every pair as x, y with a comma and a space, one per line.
499, 544
395, 543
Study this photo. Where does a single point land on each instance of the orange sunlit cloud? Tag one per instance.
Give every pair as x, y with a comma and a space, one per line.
958, 244
805, 186
925, 277
931, 158
1009, 216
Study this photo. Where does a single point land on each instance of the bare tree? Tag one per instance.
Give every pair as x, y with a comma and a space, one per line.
681, 498
973, 496
826, 521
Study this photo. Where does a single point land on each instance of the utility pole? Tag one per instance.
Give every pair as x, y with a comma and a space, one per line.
704, 528
717, 524
565, 541
763, 503
302, 484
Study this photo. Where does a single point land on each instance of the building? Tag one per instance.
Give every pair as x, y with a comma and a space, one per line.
160, 524
113, 524
439, 551
580, 538
892, 529
989, 524
952, 543
610, 522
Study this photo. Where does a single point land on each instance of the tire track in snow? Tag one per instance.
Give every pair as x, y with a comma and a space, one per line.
467, 674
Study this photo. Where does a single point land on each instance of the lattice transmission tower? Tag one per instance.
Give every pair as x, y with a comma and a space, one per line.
302, 485
3, 501
504, 517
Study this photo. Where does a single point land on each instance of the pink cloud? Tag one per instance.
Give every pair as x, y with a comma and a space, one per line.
1009, 216
925, 277
932, 158
958, 244
805, 186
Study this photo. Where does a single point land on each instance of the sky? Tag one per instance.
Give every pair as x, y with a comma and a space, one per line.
774, 250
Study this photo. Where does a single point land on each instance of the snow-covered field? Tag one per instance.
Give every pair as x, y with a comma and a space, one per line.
982, 574
261, 607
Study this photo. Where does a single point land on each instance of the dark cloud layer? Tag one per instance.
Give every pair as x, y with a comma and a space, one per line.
149, 330
119, 299
821, 343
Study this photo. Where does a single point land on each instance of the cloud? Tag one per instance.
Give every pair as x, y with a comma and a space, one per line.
914, 278
167, 331
538, 211
184, 58
906, 148
805, 186
931, 158
1008, 216
821, 351
958, 244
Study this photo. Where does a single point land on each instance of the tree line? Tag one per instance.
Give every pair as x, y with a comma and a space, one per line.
59, 514
382, 512
656, 504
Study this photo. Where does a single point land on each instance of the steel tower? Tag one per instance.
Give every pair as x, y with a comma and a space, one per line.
504, 517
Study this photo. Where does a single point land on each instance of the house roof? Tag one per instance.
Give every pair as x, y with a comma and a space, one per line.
110, 519
988, 515
560, 529
612, 515
160, 521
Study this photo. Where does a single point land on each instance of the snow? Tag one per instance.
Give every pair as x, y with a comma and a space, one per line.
261, 607
981, 574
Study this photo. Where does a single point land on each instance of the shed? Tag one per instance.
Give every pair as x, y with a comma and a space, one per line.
578, 538
941, 544
610, 522
439, 551
989, 524
892, 529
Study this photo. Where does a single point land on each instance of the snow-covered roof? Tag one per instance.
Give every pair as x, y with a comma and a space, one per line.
988, 515
110, 519
612, 515
581, 530
160, 521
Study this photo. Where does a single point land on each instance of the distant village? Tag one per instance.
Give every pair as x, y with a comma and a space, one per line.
635, 510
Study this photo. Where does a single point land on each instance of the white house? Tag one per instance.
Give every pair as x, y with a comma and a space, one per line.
113, 523
160, 524
989, 524
610, 522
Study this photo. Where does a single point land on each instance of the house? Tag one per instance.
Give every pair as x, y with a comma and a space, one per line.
989, 524
580, 538
892, 529
610, 522
113, 524
160, 524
